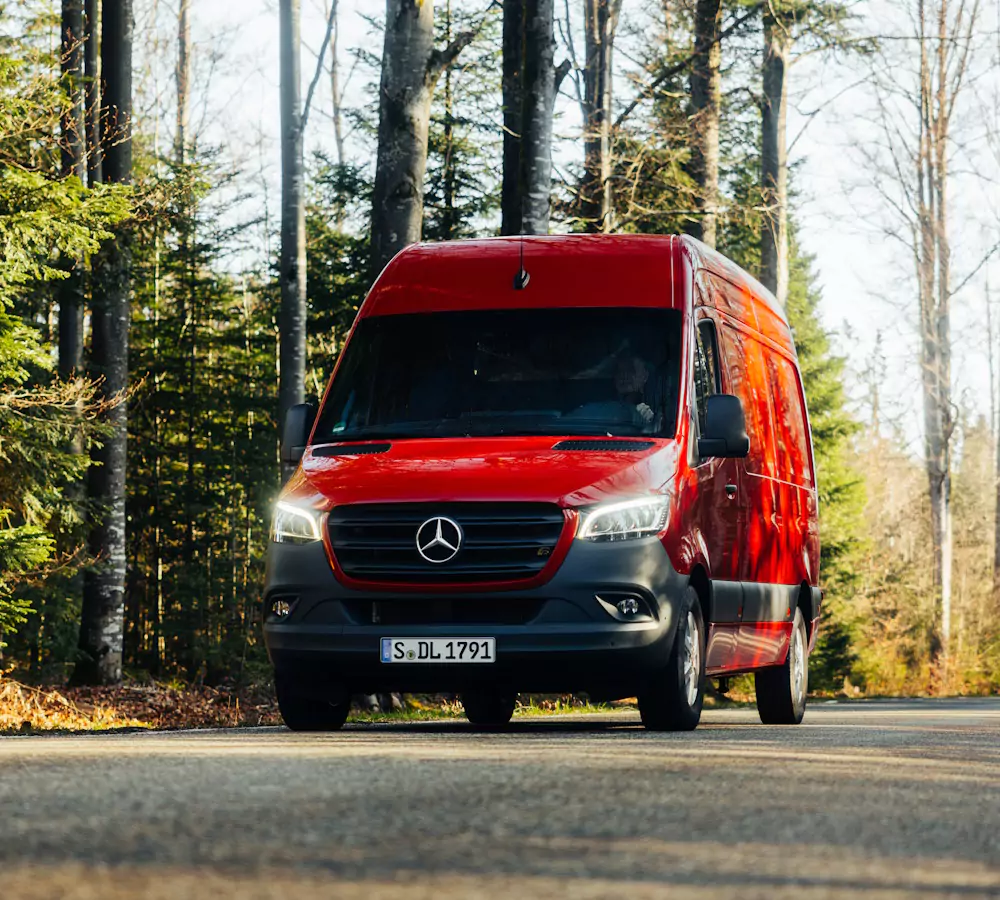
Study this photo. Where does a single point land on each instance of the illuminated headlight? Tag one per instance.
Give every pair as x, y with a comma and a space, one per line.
622, 521
294, 524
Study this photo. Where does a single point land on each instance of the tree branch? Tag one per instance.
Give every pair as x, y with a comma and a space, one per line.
441, 59
562, 70
685, 63
331, 20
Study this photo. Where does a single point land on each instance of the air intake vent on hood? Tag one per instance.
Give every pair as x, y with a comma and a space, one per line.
602, 446
350, 449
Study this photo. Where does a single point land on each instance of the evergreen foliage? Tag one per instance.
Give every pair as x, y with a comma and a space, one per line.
42, 219
841, 490
462, 185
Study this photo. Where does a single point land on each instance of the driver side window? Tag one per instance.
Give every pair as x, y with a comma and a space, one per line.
706, 369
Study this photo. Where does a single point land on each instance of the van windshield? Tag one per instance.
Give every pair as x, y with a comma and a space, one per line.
577, 371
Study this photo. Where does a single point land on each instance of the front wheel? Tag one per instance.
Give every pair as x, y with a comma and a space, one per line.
781, 690
673, 698
487, 709
303, 712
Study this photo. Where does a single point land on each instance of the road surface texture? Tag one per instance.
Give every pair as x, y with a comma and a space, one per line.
878, 799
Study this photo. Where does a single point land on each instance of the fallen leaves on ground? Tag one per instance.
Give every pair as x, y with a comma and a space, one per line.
26, 709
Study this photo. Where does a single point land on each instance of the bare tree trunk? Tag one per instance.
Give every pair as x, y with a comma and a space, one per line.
292, 317
941, 75
539, 95
102, 618
74, 162
706, 92
92, 71
410, 69
513, 63
449, 218
183, 78
774, 155
995, 430
335, 88
600, 24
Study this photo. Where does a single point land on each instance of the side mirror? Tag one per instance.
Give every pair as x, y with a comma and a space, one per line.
725, 428
298, 423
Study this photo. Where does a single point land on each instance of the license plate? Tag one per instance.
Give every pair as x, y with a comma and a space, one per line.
438, 650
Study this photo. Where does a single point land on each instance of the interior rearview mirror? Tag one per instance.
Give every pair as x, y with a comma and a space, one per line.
295, 434
725, 428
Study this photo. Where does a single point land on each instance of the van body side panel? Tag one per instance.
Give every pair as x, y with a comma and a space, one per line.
779, 549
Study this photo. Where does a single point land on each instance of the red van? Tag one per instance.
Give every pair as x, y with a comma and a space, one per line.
576, 463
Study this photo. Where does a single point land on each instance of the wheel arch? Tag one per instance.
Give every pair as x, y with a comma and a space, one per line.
702, 585
809, 607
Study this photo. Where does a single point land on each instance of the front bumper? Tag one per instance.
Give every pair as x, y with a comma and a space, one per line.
568, 641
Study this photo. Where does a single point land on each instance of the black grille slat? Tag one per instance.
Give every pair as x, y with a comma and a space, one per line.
603, 446
350, 449
461, 611
502, 541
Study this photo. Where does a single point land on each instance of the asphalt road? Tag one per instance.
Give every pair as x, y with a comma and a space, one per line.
882, 799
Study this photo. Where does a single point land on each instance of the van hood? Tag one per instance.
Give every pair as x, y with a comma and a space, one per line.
481, 469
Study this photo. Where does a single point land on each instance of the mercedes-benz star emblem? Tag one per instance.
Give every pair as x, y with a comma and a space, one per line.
439, 539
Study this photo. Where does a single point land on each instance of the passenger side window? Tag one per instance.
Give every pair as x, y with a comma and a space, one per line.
706, 370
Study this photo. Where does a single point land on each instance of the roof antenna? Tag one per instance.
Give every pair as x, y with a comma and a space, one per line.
522, 277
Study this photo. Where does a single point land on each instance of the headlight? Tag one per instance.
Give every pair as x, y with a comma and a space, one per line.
294, 524
626, 520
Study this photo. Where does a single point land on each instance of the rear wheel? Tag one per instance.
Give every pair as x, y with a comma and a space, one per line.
673, 698
781, 690
304, 712
488, 709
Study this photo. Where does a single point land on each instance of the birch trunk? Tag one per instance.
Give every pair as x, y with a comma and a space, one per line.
74, 162
292, 314
706, 92
774, 156
102, 617
596, 198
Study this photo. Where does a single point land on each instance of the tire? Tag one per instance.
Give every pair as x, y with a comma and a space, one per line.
782, 690
303, 712
672, 699
486, 709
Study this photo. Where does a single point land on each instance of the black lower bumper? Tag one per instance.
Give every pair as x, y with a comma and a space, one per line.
555, 638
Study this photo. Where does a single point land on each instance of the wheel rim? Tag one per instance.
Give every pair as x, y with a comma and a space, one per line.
798, 666
692, 659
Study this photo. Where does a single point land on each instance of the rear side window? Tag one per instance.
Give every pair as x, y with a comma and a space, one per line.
789, 422
706, 370
748, 378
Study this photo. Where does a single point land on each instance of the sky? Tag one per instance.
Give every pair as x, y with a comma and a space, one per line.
836, 145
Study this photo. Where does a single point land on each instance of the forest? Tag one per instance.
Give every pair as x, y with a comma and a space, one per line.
173, 280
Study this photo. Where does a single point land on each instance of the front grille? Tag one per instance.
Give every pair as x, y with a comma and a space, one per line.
501, 541
496, 610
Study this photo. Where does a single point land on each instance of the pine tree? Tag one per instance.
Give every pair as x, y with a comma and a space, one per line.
42, 219
841, 490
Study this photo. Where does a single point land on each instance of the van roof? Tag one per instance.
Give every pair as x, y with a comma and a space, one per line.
564, 270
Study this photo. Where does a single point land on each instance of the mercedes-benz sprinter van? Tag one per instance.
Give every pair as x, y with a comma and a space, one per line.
550, 464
